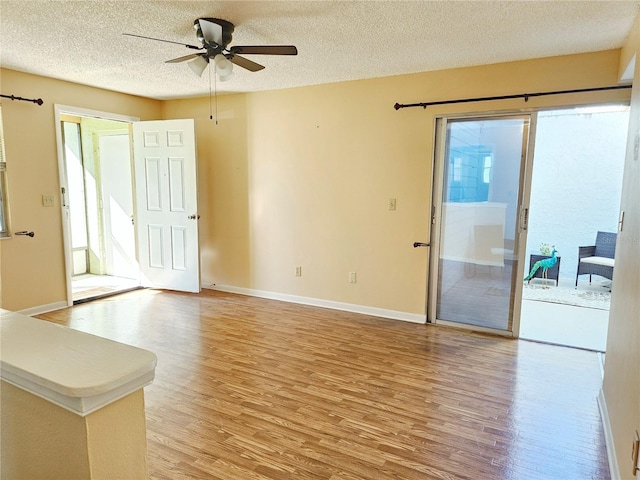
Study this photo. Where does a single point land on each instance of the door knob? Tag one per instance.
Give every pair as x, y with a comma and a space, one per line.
420, 244
194, 217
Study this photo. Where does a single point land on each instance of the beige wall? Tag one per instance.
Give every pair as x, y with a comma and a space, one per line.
288, 178
302, 177
297, 177
621, 386
43, 441
32, 269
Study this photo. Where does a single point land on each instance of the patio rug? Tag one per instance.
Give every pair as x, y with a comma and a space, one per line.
567, 296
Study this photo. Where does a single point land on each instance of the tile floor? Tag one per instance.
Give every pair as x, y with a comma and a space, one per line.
88, 286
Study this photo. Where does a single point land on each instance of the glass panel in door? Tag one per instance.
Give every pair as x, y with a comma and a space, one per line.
477, 261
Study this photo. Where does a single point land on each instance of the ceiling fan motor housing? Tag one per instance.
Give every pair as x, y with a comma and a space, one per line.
227, 30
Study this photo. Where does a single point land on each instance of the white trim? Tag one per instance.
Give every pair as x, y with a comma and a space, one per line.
601, 360
81, 406
30, 312
87, 112
614, 470
316, 302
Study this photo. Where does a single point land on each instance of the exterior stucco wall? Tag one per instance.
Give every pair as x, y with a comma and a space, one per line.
577, 180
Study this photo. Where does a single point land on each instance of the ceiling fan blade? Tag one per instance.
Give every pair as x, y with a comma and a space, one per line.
265, 50
161, 40
246, 63
212, 32
185, 58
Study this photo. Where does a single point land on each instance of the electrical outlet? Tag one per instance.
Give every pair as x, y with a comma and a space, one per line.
48, 200
298, 271
353, 278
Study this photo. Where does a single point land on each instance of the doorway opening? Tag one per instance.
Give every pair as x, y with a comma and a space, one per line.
161, 250
98, 198
575, 192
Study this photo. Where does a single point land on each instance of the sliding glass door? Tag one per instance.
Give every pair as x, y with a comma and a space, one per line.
478, 217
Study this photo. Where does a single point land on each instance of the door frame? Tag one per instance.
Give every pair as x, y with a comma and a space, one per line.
439, 142
62, 175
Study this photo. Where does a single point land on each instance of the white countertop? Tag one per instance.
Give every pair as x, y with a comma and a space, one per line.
75, 370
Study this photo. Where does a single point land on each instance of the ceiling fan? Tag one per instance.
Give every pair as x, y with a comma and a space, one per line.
215, 36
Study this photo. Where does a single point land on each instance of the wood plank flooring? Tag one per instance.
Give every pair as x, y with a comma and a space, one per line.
248, 388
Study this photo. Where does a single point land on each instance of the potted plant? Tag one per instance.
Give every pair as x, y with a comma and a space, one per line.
545, 249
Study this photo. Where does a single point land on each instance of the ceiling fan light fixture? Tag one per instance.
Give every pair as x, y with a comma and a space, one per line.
223, 66
224, 78
198, 65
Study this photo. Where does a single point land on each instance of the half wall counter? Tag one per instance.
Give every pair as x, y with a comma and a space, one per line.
72, 403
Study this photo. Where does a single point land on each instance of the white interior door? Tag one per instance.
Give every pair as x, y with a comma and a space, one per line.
167, 204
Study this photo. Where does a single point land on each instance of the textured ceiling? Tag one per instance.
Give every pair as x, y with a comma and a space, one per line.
81, 41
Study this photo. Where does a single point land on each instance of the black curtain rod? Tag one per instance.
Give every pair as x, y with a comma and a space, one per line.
13, 97
526, 97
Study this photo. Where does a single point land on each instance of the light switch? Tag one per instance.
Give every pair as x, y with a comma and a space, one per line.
392, 204
48, 200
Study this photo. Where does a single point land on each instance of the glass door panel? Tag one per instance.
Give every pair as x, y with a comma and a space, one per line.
77, 203
478, 220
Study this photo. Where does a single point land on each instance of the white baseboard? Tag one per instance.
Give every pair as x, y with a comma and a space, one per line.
30, 312
608, 437
315, 302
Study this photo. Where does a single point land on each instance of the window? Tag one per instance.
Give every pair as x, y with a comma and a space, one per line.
486, 170
469, 173
4, 211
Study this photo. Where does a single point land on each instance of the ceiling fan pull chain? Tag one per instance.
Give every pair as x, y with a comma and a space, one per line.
215, 90
210, 113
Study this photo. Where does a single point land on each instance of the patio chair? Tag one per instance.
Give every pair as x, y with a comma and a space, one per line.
597, 259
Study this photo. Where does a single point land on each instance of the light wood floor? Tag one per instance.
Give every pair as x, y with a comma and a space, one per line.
248, 388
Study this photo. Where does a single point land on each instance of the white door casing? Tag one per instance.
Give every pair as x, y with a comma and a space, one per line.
167, 204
